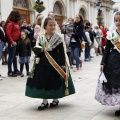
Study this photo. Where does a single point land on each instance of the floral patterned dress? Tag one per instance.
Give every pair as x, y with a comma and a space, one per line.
109, 93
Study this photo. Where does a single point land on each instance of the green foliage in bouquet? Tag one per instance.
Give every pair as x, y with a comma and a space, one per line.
39, 7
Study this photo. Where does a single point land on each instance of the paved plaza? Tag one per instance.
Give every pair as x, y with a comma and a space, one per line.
14, 105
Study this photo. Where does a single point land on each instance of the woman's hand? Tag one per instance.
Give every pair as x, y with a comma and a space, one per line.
69, 35
14, 44
101, 68
6, 44
27, 31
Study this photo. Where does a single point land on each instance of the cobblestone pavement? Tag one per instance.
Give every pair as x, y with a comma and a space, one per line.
14, 105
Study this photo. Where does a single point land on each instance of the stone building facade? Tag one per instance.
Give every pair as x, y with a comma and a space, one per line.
62, 8
116, 7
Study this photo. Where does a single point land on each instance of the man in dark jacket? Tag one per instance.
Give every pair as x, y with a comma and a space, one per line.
27, 28
2, 41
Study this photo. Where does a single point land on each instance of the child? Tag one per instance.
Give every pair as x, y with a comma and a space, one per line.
108, 92
45, 80
87, 43
24, 52
69, 30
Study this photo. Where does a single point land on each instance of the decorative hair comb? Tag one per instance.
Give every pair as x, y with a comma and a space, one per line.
39, 7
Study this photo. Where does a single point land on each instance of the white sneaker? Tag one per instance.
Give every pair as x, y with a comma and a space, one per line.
1, 78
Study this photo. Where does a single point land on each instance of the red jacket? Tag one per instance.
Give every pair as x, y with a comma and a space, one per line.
104, 32
12, 31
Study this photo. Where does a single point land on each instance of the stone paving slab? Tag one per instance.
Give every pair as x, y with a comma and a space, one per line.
14, 105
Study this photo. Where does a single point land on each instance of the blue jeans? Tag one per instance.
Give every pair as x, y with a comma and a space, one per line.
1, 49
70, 58
87, 50
12, 58
75, 54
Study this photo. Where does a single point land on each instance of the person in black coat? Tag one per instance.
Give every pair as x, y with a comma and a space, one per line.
2, 37
27, 29
76, 39
24, 52
2, 41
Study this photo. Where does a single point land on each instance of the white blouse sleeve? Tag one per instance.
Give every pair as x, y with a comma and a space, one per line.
109, 37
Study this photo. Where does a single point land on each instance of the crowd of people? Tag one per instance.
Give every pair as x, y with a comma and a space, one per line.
20, 39
79, 34
50, 75
16, 40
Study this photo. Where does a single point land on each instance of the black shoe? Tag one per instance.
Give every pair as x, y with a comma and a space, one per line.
43, 106
17, 72
6, 62
117, 113
3, 63
11, 74
54, 104
22, 75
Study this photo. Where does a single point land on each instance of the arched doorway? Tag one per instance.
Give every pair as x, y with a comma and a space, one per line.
58, 10
82, 12
23, 7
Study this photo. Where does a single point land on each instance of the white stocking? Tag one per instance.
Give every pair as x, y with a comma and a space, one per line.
45, 101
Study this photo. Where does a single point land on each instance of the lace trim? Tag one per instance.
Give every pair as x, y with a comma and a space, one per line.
115, 40
54, 41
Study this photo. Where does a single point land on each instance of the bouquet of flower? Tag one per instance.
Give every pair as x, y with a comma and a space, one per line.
116, 40
37, 50
39, 7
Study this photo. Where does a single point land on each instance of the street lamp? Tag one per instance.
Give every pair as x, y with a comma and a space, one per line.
99, 15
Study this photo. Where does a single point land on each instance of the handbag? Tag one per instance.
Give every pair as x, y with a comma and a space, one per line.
82, 44
102, 78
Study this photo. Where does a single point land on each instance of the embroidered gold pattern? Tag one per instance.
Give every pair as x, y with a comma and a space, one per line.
115, 40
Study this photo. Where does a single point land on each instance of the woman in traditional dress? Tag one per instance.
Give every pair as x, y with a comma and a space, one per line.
50, 77
108, 91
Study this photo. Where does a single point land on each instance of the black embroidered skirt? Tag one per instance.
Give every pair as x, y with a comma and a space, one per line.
47, 82
112, 73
